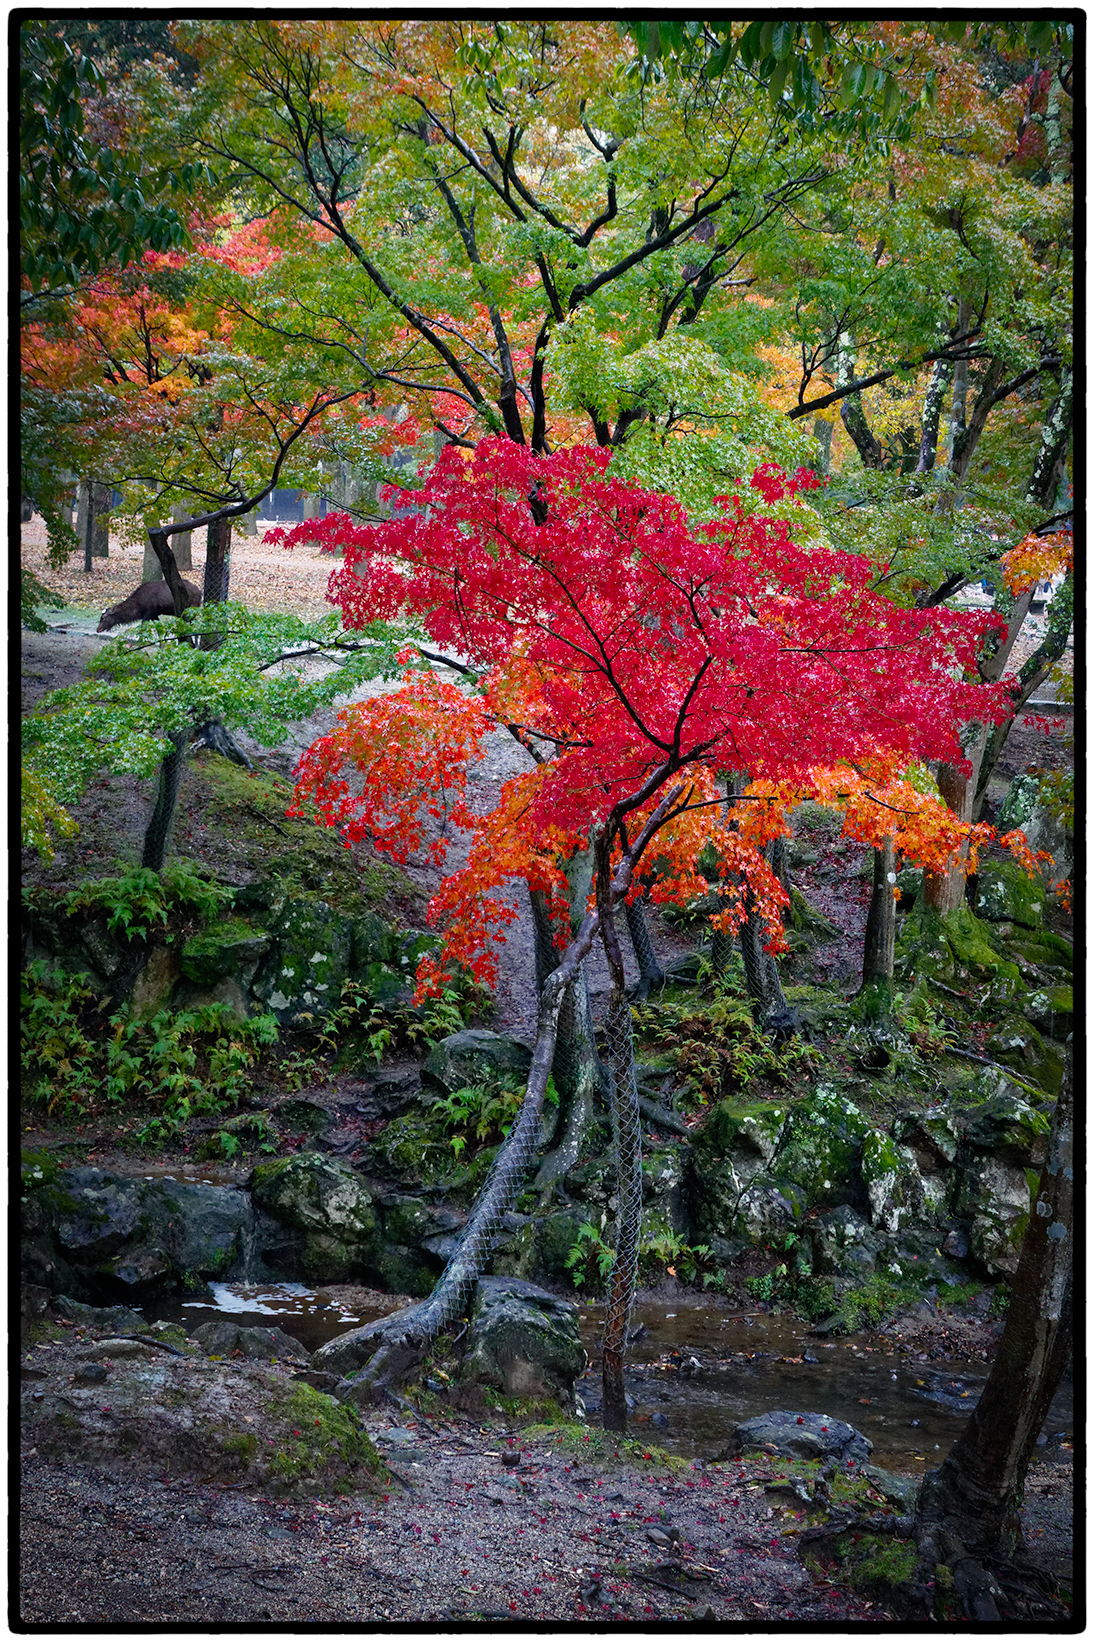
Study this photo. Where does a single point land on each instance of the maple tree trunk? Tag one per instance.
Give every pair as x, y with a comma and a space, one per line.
1031, 675
851, 412
1048, 465
577, 1072
627, 1150
933, 401
407, 1334
968, 1510
944, 892
879, 944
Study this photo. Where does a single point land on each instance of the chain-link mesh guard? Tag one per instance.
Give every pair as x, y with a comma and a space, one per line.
627, 1149
159, 825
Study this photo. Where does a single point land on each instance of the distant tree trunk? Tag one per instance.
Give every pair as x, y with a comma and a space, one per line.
180, 544
968, 1509
1048, 468
822, 445
650, 973
93, 520
933, 401
880, 940
851, 412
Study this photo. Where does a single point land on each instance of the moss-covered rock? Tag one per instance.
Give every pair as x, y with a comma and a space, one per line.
734, 1145
306, 968
843, 1244
1006, 894
523, 1341
321, 1197
464, 1058
819, 1146
227, 948
894, 1186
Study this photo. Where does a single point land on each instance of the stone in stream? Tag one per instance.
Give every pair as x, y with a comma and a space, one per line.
800, 1437
223, 1339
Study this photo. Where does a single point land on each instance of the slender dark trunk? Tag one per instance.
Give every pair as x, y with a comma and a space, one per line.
170, 780
880, 939
969, 1508
627, 1149
650, 973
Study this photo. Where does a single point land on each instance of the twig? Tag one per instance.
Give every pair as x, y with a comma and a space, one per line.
144, 1339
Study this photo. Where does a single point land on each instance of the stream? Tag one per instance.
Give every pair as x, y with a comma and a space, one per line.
693, 1374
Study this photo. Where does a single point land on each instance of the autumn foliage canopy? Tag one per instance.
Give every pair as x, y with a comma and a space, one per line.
626, 648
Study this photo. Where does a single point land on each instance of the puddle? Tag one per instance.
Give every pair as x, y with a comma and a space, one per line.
747, 1366
311, 1316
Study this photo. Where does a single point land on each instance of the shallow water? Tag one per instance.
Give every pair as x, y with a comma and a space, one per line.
748, 1365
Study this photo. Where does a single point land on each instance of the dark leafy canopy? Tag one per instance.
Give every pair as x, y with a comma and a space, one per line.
813, 68
82, 203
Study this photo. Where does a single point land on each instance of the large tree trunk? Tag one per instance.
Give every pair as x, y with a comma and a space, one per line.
933, 401
407, 1334
968, 1510
1031, 675
158, 832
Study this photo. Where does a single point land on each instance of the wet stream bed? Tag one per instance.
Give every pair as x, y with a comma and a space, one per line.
693, 1373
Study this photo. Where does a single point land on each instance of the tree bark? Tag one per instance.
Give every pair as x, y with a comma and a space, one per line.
851, 412
945, 891
1055, 437
969, 1507
933, 401
650, 973
1031, 675
627, 1150
880, 940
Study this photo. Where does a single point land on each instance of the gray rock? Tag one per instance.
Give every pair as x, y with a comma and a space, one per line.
222, 1338
800, 1437
903, 1492
465, 1057
328, 1210
148, 1236
843, 1245
523, 1341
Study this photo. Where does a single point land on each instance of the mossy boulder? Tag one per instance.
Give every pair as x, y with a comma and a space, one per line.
465, 1058
414, 1151
228, 948
733, 1147
819, 1147
953, 948
1051, 1010
843, 1244
127, 1237
522, 1341
304, 972
1006, 894
895, 1189
1024, 808
1016, 1042
330, 1208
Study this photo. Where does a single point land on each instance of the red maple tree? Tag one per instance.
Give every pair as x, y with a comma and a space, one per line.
627, 649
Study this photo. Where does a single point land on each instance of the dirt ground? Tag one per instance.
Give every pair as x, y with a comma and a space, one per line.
473, 1526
